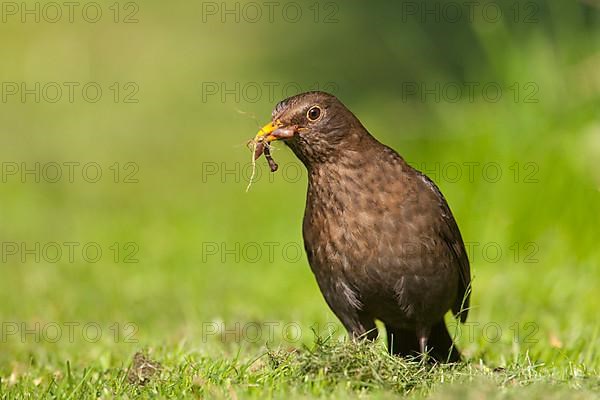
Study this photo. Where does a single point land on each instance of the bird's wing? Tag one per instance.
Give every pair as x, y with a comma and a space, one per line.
452, 237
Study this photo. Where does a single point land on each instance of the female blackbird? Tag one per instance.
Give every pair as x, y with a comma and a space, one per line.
379, 235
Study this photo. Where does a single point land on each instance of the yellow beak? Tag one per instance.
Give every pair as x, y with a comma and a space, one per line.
265, 132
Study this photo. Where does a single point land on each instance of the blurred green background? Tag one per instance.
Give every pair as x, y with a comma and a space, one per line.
188, 84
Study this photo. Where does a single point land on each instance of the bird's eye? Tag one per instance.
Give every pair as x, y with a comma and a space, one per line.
313, 113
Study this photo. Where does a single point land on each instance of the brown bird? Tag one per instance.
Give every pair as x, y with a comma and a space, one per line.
379, 235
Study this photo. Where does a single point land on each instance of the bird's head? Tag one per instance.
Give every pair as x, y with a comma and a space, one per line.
315, 125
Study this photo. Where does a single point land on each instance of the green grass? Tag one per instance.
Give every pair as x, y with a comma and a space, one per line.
328, 368
533, 330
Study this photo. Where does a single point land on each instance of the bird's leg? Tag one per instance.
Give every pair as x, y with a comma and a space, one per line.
423, 344
346, 305
423, 336
401, 342
369, 333
360, 328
